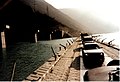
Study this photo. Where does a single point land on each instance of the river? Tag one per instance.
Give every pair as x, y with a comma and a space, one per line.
28, 57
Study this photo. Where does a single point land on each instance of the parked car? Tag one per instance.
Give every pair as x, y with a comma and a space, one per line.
93, 55
87, 39
114, 63
105, 73
84, 34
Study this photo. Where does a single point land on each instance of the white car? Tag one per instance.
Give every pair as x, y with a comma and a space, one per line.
93, 55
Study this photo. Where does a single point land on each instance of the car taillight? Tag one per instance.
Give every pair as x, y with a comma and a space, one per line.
101, 53
86, 54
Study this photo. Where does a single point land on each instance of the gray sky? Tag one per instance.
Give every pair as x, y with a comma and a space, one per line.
93, 16
97, 16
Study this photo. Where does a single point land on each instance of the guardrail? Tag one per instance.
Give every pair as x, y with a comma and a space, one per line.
107, 43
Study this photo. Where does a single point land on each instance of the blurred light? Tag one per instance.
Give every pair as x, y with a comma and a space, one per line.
86, 54
7, 26
38, 30
102, 54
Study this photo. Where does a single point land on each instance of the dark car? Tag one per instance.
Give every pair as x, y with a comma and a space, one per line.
93, 55
87, 39
105, 73
114, 63
84, 34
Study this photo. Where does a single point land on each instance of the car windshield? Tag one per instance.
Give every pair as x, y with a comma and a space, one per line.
91, 46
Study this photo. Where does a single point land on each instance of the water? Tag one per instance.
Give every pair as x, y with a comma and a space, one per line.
28, 57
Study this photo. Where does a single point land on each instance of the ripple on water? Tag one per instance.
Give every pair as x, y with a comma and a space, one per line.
28, 57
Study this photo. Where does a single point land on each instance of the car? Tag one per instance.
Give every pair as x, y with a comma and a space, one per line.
93, 55
83, 34
104, 74
114, 62
87, 39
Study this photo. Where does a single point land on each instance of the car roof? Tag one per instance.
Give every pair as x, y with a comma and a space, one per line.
88, 36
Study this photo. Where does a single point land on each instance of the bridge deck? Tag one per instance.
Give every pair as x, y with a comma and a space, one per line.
69, 65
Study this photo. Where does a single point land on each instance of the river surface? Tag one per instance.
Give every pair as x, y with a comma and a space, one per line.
28, 57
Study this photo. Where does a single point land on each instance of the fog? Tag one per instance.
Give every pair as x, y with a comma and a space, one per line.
92, 16
97, 16
91, 23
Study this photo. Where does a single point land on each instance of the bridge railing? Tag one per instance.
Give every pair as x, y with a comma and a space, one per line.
107, 42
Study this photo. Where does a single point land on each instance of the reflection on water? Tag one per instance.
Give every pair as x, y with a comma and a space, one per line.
28, 57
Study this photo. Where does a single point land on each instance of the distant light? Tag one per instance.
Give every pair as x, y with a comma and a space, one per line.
38, 30
7, 26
